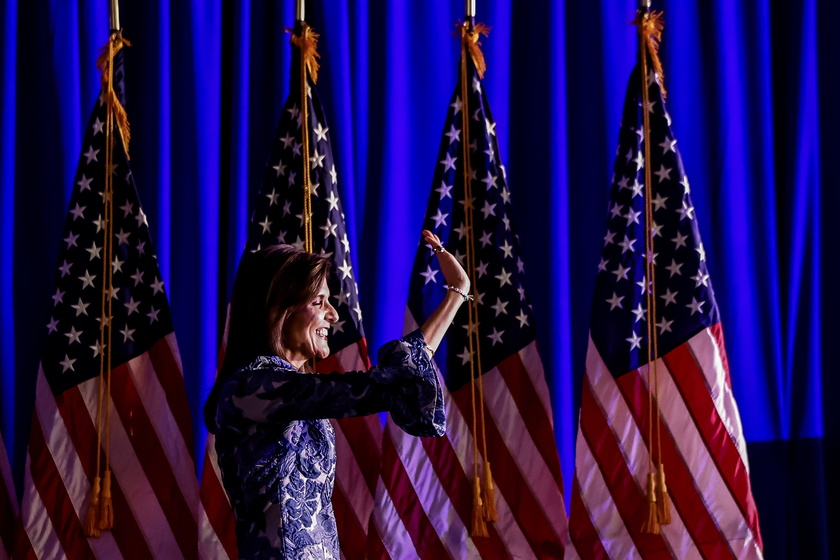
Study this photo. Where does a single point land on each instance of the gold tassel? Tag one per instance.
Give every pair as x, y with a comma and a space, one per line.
307, 42
106, 521
651, 525
651, 28
92, 520
470, 39
479, 526
103, 63
663, 507
489, 494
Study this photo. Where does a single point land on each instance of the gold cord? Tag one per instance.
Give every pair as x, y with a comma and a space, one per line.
307, 43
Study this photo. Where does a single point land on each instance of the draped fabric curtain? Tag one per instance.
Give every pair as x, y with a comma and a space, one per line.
750, 93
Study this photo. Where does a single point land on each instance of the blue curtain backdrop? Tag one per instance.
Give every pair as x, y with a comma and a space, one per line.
752, 88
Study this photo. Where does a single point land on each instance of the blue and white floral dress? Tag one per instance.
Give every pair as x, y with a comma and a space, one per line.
276, 446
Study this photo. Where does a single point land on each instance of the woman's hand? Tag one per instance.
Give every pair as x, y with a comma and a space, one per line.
440, 319
452, 270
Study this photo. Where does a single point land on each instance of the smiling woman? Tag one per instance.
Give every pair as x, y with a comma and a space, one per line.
274, 441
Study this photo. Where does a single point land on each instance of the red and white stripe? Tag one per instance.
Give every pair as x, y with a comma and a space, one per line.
358, 445
703, 451
155, 492
8, 505
424, 498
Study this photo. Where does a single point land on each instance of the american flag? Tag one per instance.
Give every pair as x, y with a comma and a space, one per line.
425, 498
154, 486
278, 218
8, 505
702, 442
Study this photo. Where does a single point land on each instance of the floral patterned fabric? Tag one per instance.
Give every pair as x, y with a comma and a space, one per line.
276, 446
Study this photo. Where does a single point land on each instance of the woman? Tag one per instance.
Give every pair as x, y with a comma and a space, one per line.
275, 444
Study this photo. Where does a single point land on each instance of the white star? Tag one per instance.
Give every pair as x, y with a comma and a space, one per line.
602, 266
345, 242
58, 297
664, 326
504, 278
266, 225
91, 154
651, 256
294, 111
616, 210
346, 270
488, 209
314, 188
505, 195
157, 286
632, 216
287, 208
476, 86
52, 326
700, 278
461, 231
272, 197
444, 190
507, 248
67, 363
280, 168
358, 311
669, 297
321, 132
448, 163
465, 356
621, 272
490, 181
97, 126
481, 268
496, 336
640, 161
122, 237
287, 140
81, 307
456, 105
128, 334
523, 319
506, 221
680, 240
296, 151
641, 285
454, 134
78, 212
73, 335
333, 201
429, 275
317, 160
656, 230
639, 313
499, 307
695, 306
71, 240
333, 174
658, 202
684, 183
702, 252
627, 245
674, 268
329, 229
97, 348
87, 280
439, 219
127, 208
132, 305
491, 127
84, 184
137, 277
623, 182
635, 341
486, 239
338, 326
685, 211
141, 218
609, 239
65, 268
114, 291
637, 189
94, 251
615, 301
667, 145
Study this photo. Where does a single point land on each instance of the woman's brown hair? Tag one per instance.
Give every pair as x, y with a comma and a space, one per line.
271, 284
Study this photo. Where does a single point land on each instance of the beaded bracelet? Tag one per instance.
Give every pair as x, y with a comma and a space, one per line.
466, 296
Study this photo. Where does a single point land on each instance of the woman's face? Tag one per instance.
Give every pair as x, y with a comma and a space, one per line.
307, 329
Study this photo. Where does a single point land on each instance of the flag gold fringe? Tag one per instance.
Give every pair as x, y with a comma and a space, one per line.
106, 518
470, 38
651, 525
651, 25
663, 506
307, 42
489, 494
92, 519
115, 43
479, 526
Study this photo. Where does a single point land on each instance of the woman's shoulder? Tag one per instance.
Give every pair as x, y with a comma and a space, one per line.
266, 362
